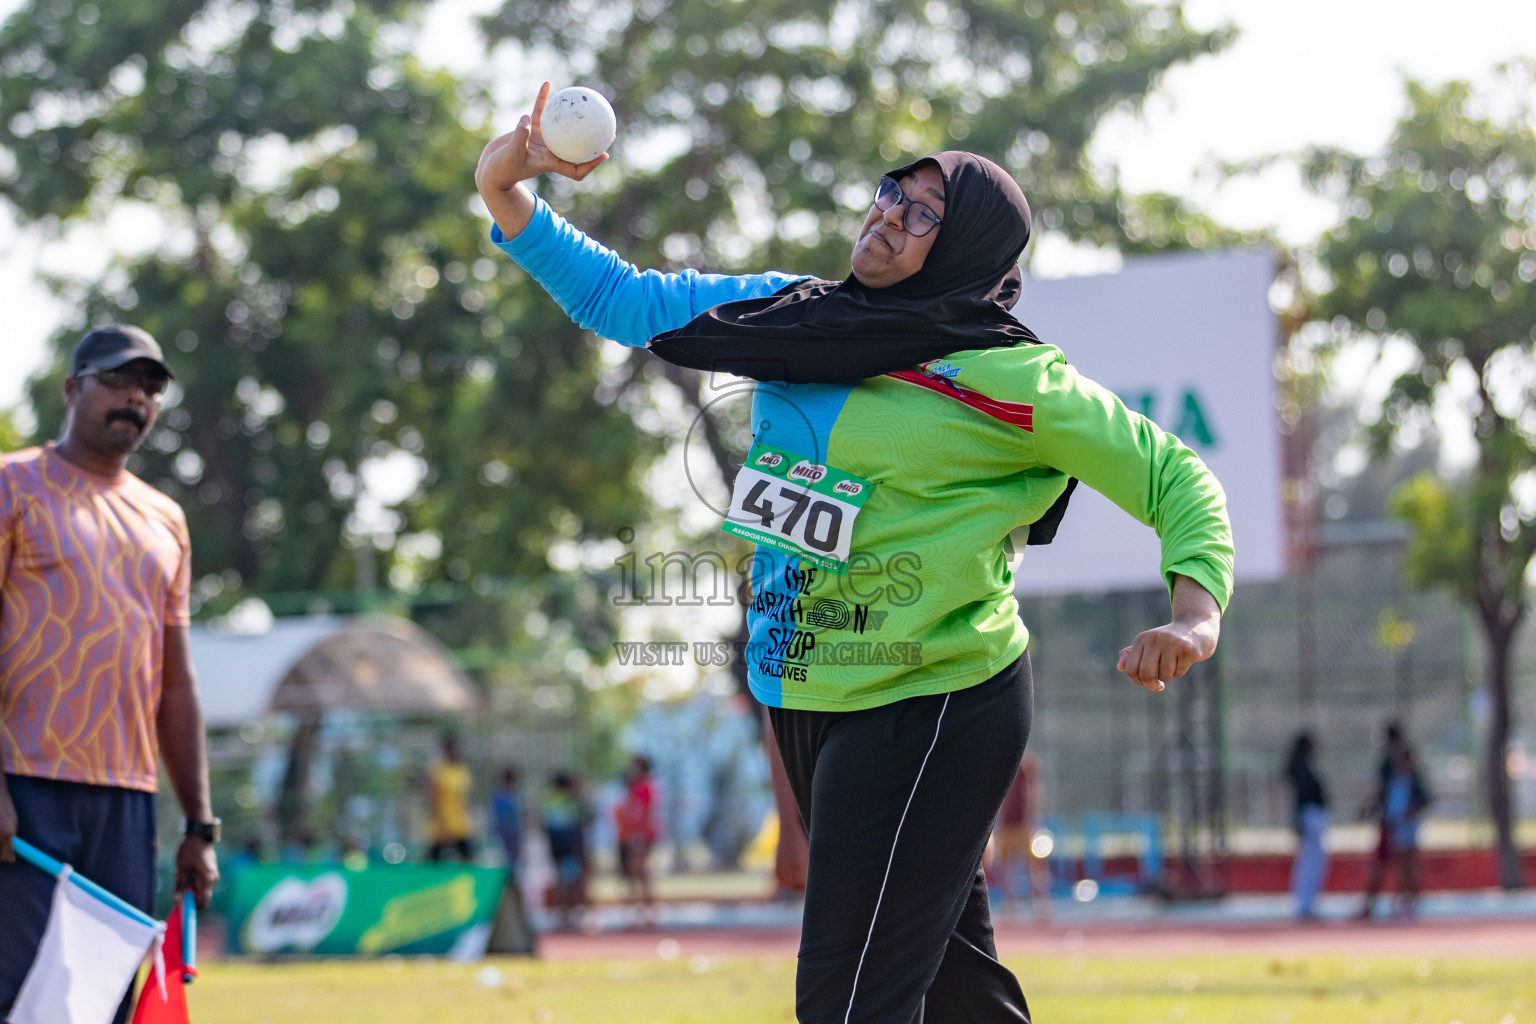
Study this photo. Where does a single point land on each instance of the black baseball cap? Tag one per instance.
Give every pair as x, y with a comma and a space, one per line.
107, 348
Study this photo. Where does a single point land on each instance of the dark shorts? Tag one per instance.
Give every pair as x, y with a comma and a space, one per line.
105, 833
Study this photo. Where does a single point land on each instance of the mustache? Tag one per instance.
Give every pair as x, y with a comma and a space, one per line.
133, 416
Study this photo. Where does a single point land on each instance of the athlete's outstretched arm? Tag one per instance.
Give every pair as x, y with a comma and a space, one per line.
595, 287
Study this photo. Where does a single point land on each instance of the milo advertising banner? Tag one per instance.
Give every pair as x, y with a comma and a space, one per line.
328, 910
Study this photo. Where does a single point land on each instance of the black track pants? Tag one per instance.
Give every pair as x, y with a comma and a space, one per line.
898, 802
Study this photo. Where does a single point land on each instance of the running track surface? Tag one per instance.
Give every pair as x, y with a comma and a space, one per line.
1505, 938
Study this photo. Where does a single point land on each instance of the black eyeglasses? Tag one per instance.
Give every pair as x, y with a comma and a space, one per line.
919, 218
153, 385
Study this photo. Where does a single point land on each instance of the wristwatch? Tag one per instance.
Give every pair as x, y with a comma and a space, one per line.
210, 830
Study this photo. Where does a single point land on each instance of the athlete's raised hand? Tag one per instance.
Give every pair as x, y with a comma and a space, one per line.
511, 159
521, 154
1167, 652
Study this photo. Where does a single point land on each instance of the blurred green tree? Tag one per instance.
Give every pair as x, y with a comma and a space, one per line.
1438, 248
751, 135
358, 378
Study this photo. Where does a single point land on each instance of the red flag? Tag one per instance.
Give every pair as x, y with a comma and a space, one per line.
170, 1008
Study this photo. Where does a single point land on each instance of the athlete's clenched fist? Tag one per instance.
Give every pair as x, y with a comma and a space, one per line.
1167, 652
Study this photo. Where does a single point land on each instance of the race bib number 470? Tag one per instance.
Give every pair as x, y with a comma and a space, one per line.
802, 507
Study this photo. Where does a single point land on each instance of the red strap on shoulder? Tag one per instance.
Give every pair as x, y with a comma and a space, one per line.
1018, 414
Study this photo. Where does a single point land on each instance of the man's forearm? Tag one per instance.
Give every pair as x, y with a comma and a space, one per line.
184, 750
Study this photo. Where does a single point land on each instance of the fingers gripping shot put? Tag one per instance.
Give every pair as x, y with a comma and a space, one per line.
521, 154
904, 418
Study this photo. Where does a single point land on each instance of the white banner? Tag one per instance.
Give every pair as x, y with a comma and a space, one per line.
1188, 340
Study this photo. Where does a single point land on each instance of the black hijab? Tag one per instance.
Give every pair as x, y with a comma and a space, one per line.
818, 331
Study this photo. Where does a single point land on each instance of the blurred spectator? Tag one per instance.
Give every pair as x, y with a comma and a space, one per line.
1311, 819
1400, 800
709, 775
1391, 740
563, 818
512, 932
448, 789
1013, 841
507, 819
636, 821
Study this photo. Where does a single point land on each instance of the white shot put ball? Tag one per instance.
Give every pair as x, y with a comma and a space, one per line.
578, 124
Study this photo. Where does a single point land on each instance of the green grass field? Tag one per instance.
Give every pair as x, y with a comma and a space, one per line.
718, 990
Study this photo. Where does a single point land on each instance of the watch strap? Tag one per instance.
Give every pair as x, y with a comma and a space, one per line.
206, 830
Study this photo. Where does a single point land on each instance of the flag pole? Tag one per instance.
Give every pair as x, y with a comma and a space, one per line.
37, 858
189, 935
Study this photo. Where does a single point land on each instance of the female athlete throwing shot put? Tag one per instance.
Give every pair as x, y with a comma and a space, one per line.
904, 425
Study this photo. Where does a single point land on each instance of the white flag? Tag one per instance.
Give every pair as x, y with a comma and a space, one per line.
85, 963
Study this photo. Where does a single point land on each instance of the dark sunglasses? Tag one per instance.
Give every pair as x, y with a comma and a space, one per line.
918, 220
153, 385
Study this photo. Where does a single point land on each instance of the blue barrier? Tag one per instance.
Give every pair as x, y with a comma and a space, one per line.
1066, 870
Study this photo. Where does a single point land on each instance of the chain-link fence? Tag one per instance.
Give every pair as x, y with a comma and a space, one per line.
1339, 650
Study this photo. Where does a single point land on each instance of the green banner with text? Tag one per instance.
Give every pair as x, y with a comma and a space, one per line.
330, 910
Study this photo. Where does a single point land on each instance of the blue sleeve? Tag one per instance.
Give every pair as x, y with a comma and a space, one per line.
604, 293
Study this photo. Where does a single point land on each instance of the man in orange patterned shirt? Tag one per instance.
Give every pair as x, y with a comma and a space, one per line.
96, 682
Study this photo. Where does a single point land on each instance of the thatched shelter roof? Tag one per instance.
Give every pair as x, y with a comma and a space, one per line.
379, 664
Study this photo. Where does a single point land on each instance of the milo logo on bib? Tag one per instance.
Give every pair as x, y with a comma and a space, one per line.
804, 508
808, 471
